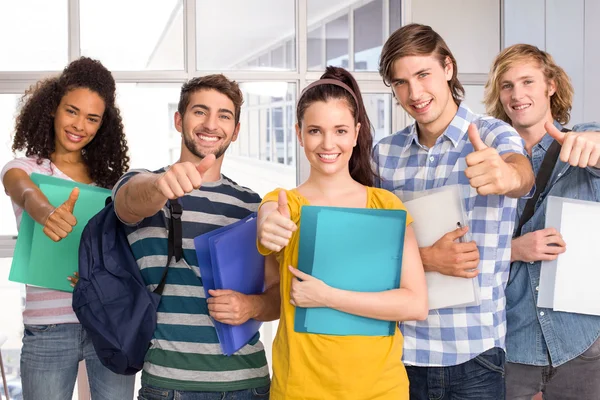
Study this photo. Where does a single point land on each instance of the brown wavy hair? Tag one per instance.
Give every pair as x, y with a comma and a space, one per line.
360, 165
418, 40
218, 82
560, 102
106, 155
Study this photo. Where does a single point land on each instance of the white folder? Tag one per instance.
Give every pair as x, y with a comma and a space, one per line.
435, 213
570, 283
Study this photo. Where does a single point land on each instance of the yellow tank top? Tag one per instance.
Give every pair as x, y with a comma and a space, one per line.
326, 367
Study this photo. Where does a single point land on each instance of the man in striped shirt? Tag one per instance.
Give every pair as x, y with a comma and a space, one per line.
185, 358
457, 352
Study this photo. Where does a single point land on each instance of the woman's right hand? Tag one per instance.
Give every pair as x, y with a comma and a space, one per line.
61, 220
275, 228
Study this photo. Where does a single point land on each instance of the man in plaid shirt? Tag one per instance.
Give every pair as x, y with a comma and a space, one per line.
456, 352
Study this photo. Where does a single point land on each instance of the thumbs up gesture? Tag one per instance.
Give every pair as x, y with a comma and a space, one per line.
275, 228
61, 220
183, 177
486, 170
578, 148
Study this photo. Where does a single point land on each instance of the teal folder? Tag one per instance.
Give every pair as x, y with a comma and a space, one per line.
37, 259
351, 249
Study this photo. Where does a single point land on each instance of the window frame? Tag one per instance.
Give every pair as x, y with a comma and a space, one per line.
370, 82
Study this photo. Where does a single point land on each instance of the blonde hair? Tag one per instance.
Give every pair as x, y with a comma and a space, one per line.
560, 102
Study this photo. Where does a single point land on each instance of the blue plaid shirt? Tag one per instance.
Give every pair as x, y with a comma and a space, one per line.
455, 335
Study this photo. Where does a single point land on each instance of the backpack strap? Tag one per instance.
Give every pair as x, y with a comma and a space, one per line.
541, 181
175, 242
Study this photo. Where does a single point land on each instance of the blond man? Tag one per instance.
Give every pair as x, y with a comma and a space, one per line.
555, 352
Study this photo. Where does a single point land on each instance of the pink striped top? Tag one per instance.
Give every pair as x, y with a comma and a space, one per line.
42, 306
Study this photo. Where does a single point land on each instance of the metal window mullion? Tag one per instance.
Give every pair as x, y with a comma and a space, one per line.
502, 15
74, 31
385, 14
189, 14
285, 131
351, 39
302, 166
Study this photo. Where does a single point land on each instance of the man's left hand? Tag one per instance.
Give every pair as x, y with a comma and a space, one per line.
580, 149
486, 170
229, 307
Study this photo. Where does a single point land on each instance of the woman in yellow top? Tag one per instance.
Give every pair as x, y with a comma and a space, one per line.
335, 133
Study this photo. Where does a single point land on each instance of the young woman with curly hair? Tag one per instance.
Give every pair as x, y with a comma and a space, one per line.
69, 127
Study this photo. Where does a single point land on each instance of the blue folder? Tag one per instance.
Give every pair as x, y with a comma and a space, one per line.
228, 259
351, 249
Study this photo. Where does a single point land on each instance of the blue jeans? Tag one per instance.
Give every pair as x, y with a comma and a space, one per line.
50, 359
148, 392
481, 378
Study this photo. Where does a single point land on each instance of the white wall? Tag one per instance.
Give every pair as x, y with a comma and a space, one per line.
569, 31
471, 28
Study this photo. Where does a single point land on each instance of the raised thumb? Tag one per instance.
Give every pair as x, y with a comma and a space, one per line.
70, 203
475, 139
554, 132
282, 204
206, 163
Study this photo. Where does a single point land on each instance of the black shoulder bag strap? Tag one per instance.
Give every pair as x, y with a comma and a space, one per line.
175, 241
541, 181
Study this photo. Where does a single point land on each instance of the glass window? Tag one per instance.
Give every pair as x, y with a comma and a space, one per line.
148, 114
111, 31
12, 298
264, 155
8, 106
231, 34
379, 110
314, 49
395, 15
368, 36
336, 42
328, 34
34, 35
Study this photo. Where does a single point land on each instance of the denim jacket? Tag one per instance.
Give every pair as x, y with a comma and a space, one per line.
541, 336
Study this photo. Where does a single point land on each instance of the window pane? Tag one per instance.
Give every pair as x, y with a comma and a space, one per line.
328, 28
148, 114
34, 35
8, 106
115, 32
314, 49
234, 35
379, 110
395, 15
12, 298
368, 36
336, 42
264, 155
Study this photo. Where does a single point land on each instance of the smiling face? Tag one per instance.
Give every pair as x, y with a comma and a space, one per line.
208, 124
77, 119
420, 85
328, 134
525, 95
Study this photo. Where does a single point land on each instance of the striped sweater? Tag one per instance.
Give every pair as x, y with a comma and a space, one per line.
185, 353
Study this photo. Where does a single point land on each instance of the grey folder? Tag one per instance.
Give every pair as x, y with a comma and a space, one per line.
436, 212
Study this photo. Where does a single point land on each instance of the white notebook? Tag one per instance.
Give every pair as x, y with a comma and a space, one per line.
570, 283
436, 212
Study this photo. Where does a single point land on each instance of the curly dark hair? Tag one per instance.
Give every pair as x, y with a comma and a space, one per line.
105, 156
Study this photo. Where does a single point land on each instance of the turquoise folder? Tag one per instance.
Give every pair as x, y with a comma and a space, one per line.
351, 249
37, 259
